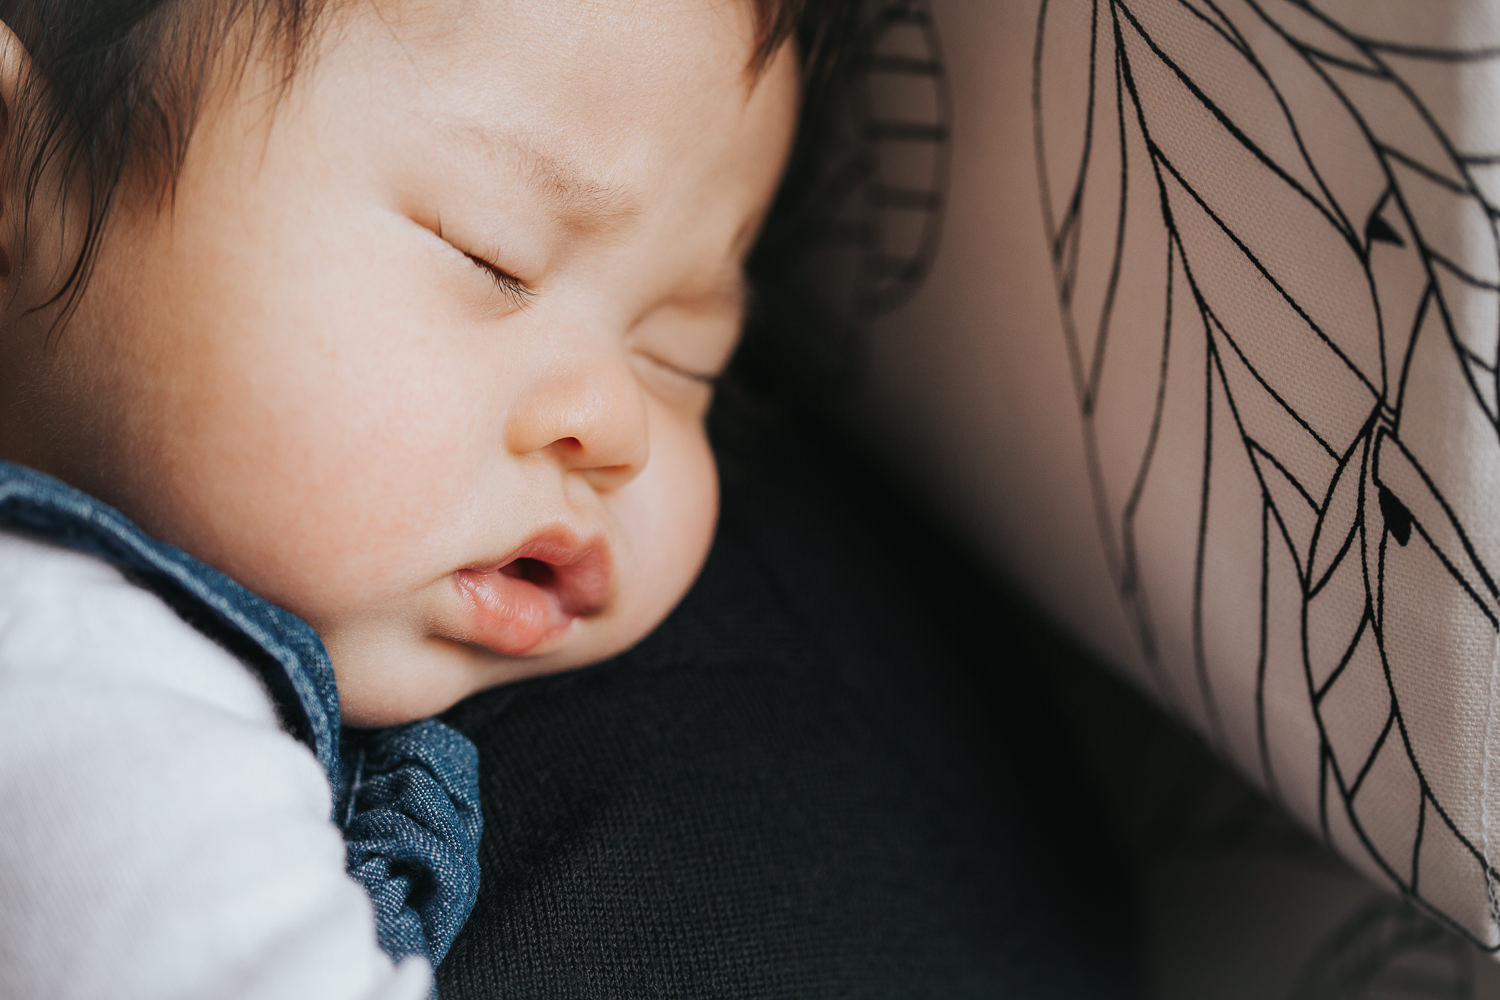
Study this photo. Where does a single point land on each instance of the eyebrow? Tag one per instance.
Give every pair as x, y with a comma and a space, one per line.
585, 202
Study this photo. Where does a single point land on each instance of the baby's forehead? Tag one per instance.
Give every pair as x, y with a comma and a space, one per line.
444, 25
624, 51
592, 102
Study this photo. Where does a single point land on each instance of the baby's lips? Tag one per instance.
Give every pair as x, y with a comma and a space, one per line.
578, 571
537, 591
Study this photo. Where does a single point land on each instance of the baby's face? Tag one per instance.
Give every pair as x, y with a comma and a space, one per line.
307, 375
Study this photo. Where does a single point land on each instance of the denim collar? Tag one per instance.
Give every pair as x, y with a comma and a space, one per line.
279, 646
406, 798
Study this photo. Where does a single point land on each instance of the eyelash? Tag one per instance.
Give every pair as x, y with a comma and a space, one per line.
517, 291
513, 288
520, 294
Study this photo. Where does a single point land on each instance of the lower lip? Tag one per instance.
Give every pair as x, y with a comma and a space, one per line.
509, 615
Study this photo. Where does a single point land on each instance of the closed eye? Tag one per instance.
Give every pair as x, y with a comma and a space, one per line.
678, 372
516, 291
706, 378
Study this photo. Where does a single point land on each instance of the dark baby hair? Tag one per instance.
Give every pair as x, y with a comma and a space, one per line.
117, 85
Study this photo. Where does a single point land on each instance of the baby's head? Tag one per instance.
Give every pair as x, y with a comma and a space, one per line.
418, 338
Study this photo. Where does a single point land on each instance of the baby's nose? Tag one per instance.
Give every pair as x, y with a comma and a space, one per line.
590, 416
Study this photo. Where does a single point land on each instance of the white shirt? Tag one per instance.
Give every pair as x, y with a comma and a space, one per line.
161, 836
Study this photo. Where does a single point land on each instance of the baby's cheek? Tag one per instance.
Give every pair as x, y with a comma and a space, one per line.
375, 485
326, 530
677, 512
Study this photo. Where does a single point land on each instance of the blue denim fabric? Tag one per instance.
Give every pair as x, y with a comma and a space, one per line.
407, 797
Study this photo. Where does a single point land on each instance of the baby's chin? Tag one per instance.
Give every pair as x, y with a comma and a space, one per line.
404, 661
386, 684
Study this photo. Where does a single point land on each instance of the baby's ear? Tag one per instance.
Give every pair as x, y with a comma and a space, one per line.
34, 228
15, 67
15, 72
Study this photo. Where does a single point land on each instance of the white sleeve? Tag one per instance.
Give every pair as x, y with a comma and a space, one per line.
160, 837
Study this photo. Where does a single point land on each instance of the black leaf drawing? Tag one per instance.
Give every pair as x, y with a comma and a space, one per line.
1274, 241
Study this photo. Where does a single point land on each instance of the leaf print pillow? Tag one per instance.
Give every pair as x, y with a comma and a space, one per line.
1290, 208
1188, 313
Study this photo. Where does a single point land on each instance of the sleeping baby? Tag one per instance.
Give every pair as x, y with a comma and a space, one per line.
354, 358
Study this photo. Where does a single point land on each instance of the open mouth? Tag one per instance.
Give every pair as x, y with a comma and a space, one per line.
523, 601
533, 571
